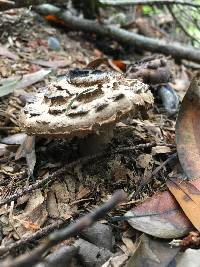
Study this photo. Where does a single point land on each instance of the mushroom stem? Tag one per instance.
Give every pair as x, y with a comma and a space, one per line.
95, 143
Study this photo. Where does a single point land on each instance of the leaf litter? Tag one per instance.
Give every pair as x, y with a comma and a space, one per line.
82, 188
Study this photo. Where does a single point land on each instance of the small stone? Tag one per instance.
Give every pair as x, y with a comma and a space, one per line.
169, 98
100, 235
54, 44
91, 255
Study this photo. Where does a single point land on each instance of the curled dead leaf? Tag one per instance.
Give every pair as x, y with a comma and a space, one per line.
188, 130
117, 65
188, 197
160, 216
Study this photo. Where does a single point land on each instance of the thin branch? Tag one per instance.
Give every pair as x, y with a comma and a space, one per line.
35, 236
6, 4
60, 258
181, 26
123, 36
149, 178
29, 259
54, 176
46, 180
148, 2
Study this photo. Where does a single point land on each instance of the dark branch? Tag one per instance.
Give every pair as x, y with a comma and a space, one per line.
29, 259
179, 24
6, 4
149, 2
123, 36
35, 236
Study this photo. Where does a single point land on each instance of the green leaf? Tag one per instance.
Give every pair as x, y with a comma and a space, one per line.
9, 86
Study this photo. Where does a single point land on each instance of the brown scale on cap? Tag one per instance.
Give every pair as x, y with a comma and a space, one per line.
82, 103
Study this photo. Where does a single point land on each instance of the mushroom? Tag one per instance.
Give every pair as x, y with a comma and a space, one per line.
152, 70
84, 104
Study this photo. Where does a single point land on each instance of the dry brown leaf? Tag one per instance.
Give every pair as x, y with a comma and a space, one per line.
33, 216
130, 245
188, 130
97, 62
3, 149
55, 19
116, 261
152, 252
6, 53
52, 63
83, 192
188, 197
52, 206
144, 160
117, 65
27, 224
64, 193
160, 216
27, 150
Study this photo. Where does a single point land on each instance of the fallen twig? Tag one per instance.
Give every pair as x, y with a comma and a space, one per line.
152, 176
181, 26
66, 168
149, 2
60, 258
35, 236
29, 259
121, 35
6, 4
45, 180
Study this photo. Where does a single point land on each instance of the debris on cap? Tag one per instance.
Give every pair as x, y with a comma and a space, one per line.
84, 102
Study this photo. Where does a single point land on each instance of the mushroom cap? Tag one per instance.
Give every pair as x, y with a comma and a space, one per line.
83, 102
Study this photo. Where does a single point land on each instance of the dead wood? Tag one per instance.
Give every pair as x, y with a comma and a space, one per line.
35, 236
30, 259
60, 258
149, 44
149, 2
6, 4
91, 255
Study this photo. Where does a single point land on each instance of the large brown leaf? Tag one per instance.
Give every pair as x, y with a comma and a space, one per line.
153, 252
160, 216
188, 197
188, 130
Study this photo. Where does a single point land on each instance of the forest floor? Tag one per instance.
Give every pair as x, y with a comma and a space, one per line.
135, 159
